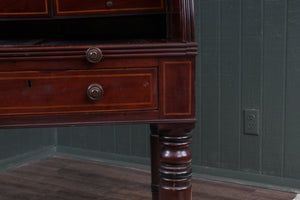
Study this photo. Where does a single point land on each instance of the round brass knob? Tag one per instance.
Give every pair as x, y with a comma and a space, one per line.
94, 55
95, 91
109, 4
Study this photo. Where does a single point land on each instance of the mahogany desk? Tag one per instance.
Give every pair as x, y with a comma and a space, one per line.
100, 62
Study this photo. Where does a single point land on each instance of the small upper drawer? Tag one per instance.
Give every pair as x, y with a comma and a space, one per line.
24, 8
79, 7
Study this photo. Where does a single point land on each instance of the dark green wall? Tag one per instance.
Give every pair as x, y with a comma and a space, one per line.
18, 141
249, 57
109, 142
19, 146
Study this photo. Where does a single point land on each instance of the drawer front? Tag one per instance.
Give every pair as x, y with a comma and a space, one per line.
24, 8
66, 92
79, 7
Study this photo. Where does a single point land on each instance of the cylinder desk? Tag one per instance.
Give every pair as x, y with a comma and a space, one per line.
102, 62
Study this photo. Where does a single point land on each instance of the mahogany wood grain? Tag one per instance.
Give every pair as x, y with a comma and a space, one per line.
177, 85
181, 24
78, 7
28, 93
87, 119
175, 165
147, 50
24, 8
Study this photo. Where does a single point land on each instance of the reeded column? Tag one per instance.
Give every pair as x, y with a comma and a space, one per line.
175, 166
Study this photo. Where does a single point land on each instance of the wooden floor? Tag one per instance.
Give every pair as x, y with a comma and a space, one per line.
69, 179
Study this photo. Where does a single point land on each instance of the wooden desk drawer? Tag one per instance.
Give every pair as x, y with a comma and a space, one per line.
79, 7
66, 91
24, 8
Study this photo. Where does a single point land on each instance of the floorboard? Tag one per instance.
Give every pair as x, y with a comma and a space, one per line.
63, 178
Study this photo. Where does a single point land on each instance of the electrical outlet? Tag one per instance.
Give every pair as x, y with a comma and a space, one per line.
251, 121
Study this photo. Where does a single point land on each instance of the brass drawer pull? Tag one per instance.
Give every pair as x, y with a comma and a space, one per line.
94, 55
95, 91
109, 4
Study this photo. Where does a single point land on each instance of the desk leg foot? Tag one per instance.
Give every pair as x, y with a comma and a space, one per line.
175, 166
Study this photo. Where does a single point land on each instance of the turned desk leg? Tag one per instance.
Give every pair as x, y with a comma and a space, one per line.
175, 168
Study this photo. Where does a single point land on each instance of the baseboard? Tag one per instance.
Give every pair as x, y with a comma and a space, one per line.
110, 158
244, 178
26, 158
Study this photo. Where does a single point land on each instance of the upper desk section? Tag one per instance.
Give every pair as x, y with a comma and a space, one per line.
105, 19
48, 8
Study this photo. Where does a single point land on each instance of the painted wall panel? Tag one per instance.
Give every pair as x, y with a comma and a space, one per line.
292, 137
16, 142
274, 67
230, 83
197, 138
210, 82
251, 67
